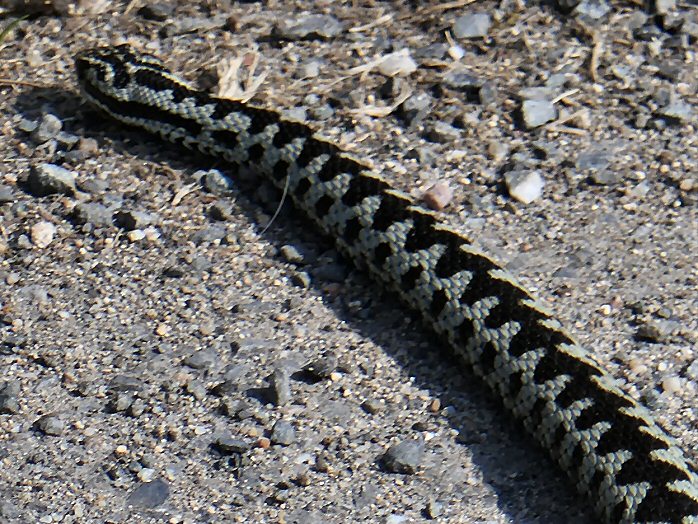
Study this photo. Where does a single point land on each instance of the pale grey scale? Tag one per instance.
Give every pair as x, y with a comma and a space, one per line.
422, 292
453, 314
526, 399
339, 213
235, 122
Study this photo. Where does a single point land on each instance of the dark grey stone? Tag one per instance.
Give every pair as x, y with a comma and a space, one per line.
51, 425
204, 359
283, 433
48, 128
6, 194
404, 457
159, 11
92, 213
49, 179
280, 386
208, 234
150, 495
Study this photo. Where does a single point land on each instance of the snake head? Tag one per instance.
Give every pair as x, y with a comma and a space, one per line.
107, 70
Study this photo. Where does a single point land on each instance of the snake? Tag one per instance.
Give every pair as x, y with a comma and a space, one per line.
615, 453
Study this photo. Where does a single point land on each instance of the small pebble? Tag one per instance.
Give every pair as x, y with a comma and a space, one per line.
292, 254
280, 386
9, 391
203, 359
692, 370
301, 279
158, 11
676, 112
438, 196
443, 133
332, 272
323, 367
92, 213
310, 69
472, 25
650, 332
373, 406
88, 146
209, 234
310, 26
48, 128
42, 234
136, 235
592, 9
434, 509
214, 181
221, 210
146, 474
671, 384
6, 194
283, 433
150, 495
399, 63
404, 457
227, 444
196, 389
535, 113
295, 114
524, 186
51, 425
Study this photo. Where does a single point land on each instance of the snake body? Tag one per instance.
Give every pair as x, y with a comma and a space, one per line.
609, 445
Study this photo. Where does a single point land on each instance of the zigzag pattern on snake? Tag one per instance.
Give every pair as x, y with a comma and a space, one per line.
608, 443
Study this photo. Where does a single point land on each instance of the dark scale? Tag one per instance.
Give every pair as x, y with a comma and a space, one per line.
225, 137
155, 80
224, 107
255, 153
392, 209
360, 187
352, 228
323, 205
288, 131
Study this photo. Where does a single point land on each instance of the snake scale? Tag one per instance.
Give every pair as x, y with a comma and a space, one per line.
609, 445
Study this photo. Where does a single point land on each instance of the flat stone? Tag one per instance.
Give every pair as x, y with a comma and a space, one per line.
92, 213
150, 494
309, 27
404, 457
283, 433
49, 179
6, 194
524, 186
472, 25
535, 113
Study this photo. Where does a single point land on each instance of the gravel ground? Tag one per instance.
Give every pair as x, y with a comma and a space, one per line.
166, 359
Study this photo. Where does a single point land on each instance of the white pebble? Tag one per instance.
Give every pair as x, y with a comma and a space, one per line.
42, 234
671, 384
399, 63
136, 235
525, 186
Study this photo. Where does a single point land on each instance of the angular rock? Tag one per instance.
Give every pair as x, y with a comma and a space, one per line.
49, 179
